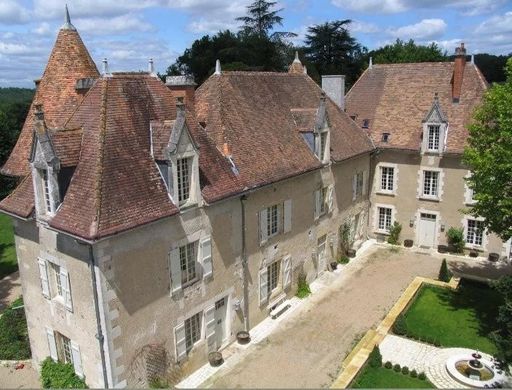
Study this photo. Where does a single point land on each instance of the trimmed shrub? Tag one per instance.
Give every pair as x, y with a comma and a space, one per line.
414, 373
388, 365
56, 375
400, 327
397, 367
343, 260
422, 376
303, 289
444, 273
405, 370
375, 358
394, 233
455, 238
14, 342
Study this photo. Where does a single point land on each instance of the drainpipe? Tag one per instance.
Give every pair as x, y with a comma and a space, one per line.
99, 335
245, 270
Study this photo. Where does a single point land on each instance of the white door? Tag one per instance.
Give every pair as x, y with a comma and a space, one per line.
427, 230
322, 253
220, 321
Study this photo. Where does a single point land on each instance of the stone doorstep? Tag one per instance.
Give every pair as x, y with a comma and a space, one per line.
360, 353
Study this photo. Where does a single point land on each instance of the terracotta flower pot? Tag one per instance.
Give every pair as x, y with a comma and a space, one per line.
215, 359
408, 243
243, 337
442, 248
494, 257
334, 265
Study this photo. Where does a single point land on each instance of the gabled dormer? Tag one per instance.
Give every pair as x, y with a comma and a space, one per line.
322, 133
435, 128
45, 167
178, 159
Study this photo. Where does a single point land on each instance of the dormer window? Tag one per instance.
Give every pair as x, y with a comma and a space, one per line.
385, 137
183, 166
366, 123
433, 138
435, 127
46, 190
323, 145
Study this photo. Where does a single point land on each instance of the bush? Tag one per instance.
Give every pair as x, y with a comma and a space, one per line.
14, 342
343, 260
303, 289
56, 375
388, 365
444, 273
455, 238
400, 326
405, 370
422, 376
397, 367
394, 233
414, 373
375, 358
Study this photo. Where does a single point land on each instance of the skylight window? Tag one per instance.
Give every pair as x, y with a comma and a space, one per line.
385, 137
366, 123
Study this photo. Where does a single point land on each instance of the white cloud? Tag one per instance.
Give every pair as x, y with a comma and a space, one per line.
374, 6
114, 25
211, 26
43, 29
468, 7
425, 29
12, 12
498, 24
363, 27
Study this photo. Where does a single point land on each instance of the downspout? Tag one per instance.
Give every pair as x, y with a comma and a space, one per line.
245, 270
99, 335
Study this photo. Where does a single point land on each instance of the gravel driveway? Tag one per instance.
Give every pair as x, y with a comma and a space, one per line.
307, 350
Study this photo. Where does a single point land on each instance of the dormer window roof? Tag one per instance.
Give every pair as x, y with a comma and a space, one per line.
435, 127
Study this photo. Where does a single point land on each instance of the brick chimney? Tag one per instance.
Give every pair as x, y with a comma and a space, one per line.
458, 72
182, 87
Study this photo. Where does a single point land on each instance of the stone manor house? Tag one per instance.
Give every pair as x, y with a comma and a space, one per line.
153, 221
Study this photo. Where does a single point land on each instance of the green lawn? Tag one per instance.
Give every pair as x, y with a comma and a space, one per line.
8, 262
384, 378
461, 318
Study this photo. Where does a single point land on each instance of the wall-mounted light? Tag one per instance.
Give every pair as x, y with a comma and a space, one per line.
443, 227
411, 222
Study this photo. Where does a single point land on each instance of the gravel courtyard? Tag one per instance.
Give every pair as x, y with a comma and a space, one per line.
307, 349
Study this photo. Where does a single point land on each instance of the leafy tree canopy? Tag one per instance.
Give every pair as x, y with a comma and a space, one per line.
402, 52
489, 157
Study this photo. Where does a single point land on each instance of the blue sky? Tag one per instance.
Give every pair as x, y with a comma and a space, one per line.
128, 32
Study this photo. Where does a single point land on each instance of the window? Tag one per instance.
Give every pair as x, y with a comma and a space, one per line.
430, 183
366, 123
323, 201
193, 330
385, 137
433, 138
46, 189
359, 184
183, 173
385, 215
188, 264
323, 144
56, 280
272, 221
387, 178
475, 232
63, 348
273, 276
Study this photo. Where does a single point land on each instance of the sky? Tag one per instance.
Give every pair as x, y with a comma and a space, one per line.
129, 32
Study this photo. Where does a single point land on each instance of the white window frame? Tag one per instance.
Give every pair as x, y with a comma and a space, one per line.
193, 172
380, 179
467, 232
430, 187
421, 184
188, 255
273, 220
182, 164
322, 145
469, 199
195, 319
376, 222
278, 213
55, 282
430, 127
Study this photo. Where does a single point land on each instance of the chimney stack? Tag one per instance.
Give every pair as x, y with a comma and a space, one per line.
334, 87
105, 72
183, 88
151, 67
458, 72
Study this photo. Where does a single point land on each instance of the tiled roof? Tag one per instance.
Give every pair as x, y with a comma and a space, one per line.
69, 62
256, 114
20, 202
67, 146
395, 98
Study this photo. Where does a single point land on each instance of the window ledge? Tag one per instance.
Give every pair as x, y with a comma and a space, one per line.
383, 232
386, 193
429, 198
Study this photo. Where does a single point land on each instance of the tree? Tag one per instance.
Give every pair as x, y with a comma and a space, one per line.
503, 335
401, 52
332, 50
489, 157
260, 18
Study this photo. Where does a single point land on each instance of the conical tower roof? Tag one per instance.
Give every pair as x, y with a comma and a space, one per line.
69, 62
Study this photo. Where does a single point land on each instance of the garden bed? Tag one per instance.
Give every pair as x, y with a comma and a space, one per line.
8, 262
453, 318
14, 342
383, 378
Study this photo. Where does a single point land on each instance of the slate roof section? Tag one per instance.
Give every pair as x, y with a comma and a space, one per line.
397, 97
258, 115
68, 62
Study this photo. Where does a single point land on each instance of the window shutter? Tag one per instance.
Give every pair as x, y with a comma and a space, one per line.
287, 272
52, 346
263, 226
174, 259
330, 198
77, 359
263, 285
317, 204
365, 183
354, 187
181, 343
206, 257
66, 288
209, 320
171, 173
43, 275
287, 215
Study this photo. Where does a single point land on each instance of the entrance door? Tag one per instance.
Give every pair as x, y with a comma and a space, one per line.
220, 321
427, 230
322, 253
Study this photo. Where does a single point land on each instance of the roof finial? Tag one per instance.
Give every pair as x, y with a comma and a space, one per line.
370, 65
436, 96
151, 67
67, 21
296, 57
218, 70
105, 72
472, 59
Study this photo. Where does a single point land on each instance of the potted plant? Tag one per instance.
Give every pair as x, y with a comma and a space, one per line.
456, 241
442, 248
351, 253
243, 337
473, 253
408, 243
334, 265
494, 257
215, 359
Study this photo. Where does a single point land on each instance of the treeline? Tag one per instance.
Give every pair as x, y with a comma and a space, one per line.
14, 105
328, 48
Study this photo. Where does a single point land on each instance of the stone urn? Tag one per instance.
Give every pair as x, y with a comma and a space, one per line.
243, 337
215, 359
